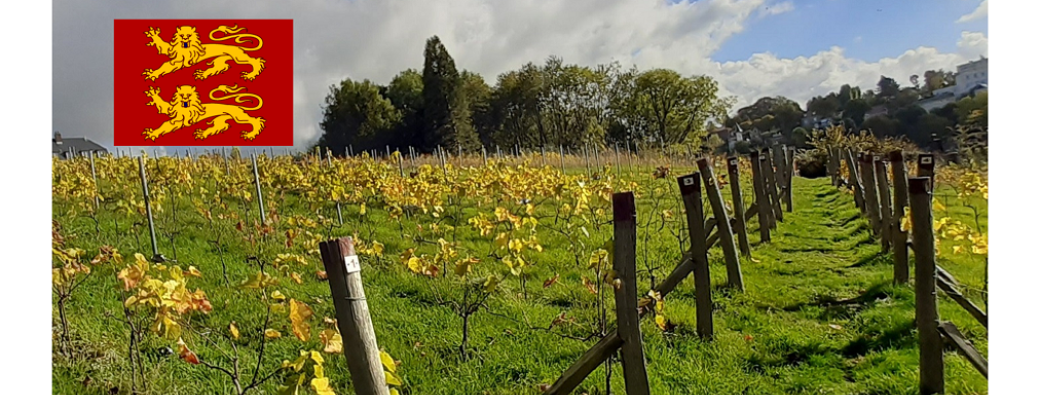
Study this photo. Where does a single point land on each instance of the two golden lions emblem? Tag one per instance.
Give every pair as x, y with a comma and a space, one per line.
185, 108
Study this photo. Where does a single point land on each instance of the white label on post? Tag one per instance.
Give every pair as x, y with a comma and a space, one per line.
687, 181
352, 264
733, 162
926, 160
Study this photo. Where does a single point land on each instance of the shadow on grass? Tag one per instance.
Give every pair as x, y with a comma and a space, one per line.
900, 336
874, 294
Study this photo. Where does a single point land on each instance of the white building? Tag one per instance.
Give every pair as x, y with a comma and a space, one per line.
972, 77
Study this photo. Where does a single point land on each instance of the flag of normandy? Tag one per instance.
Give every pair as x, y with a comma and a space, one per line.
206, 82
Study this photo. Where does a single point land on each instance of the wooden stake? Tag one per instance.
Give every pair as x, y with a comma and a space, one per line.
626, 297
740, 225
927, 315
870, 193
885, 194
561, 159
855, 180
97, 188
729, 248
771, 188
690, 188
901, 202
148, 211
259, 193
949, 331
761, 199
789, 179
352, 316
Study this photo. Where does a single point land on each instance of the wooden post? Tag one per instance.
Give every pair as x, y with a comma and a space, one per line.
854, 179
626, 297
596, 152
927, 315
444, 167
761, 199
561, 159
780, 161
400, 163
740, 225
259, 193
729, 248
352, 316
97, 188
339, 209
617, 159
543, 155
148, 210
588, 167
771, 188
690, 188
833, 167
483, 154
628, 148
885, 194
870, 194
901, 201
789, 179
926, 167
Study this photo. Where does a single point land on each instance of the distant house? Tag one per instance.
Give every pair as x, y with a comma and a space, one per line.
876, 111
812, 121
68, 147
937, 101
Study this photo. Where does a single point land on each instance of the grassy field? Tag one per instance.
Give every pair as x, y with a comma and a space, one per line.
819, 314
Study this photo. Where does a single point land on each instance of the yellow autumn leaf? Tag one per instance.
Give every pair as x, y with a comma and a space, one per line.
277, 295
299, 313
387, 360
490, 284
332, 341
392, 379
321, 385
661, 322
234, 330
272, 334
192, 271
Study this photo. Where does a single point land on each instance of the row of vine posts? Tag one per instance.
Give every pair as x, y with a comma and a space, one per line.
771, 176
883, 198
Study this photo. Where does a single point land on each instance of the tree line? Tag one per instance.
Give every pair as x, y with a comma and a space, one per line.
549, 105
557, 104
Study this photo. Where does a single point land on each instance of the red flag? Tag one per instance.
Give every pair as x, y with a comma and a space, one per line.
207, 82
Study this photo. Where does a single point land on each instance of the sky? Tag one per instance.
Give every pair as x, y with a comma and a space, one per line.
753, 48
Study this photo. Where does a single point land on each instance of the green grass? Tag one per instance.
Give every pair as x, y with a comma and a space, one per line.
819, 314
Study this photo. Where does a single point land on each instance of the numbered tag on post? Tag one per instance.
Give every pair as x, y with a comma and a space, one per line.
352, 264
926, 160
688, 180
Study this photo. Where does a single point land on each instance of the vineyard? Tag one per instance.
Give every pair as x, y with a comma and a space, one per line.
483, 274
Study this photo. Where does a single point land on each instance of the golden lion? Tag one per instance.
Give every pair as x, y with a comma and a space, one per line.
185, 109
186, 50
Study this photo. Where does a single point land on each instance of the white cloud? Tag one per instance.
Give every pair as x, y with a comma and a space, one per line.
776, 9
377, 39
980, 12
802, 78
